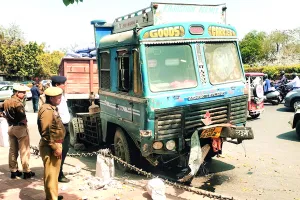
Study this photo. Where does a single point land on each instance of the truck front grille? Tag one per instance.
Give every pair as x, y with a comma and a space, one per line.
186, 119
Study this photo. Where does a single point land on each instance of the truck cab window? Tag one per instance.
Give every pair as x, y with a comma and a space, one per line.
123, 75
104, 70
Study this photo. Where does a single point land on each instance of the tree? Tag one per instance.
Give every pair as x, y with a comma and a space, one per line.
279, 38
50, 62
22, 60
68, 2
252, 47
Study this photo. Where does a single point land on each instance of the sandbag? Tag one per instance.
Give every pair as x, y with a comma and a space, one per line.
105, 168
156, 189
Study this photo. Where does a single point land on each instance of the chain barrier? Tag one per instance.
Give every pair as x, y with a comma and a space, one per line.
107, 153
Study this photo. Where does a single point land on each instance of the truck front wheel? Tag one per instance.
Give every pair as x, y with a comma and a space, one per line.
121, 149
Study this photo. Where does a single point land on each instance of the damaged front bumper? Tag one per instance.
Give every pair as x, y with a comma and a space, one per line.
226, 131
198, 154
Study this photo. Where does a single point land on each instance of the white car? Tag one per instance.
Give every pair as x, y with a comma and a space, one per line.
7, 91
44, 82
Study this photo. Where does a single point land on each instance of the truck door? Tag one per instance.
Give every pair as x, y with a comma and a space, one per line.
123, 101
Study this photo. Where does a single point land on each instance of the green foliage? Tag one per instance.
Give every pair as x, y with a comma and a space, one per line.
252, 48
50, 63
18, 58
274, 71
68, 2
259, 46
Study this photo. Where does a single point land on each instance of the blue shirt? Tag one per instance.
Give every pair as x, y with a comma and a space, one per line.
267, 86
35, 92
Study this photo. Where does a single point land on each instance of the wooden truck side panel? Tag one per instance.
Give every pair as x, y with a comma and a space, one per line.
82, 75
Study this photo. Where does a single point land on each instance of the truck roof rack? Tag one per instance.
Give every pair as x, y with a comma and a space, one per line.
160, 13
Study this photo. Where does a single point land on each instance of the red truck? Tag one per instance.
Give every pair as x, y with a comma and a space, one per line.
82, 79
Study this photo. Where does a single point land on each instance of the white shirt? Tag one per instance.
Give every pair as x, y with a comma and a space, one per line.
295, 82
63, 110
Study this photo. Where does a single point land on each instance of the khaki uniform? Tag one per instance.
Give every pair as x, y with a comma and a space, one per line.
42, 96
52, 134
18, 133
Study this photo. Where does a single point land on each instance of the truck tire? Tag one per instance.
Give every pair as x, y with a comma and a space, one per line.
122, 150
298, 128
73, 135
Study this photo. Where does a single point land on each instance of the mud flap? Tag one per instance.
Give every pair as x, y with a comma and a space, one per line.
197, 155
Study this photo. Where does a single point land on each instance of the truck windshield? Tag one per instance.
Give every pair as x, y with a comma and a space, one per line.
223, 62
170, 67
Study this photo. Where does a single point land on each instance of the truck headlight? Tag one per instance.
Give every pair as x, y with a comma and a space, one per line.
170, 145
157, 145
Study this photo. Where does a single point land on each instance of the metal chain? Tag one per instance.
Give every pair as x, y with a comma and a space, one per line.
107, 153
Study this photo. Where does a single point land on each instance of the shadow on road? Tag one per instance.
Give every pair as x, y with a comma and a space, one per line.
250, 119
291, 135
216, 166
213, 181
284, 109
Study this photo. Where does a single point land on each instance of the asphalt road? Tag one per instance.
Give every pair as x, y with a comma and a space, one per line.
267, 167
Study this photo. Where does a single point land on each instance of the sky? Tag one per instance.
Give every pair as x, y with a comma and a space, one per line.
51, 22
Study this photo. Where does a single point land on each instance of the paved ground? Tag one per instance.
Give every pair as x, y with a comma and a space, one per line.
125, 186
267, 167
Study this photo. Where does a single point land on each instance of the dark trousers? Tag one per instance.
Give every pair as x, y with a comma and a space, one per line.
35, 103
65, 146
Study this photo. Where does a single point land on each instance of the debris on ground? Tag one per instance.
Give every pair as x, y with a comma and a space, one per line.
156, 189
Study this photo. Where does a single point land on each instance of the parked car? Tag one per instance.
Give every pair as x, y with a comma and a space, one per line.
2, 83
44, 82
295, 121
292, 99
7, 90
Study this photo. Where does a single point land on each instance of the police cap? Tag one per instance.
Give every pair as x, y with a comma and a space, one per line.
53, 91
58, 79
20, 88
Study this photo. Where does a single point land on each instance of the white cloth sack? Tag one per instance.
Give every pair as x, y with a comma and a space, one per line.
105, 168
3, 132
156, 189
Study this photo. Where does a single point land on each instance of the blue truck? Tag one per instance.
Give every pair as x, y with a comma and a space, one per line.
171, 81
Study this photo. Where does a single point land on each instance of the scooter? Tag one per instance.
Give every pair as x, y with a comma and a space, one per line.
272, 97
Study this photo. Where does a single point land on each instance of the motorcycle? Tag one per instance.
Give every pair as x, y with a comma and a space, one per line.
273, 97
283, 90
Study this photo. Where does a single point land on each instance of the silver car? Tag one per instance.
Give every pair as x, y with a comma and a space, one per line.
292, 99
7, 91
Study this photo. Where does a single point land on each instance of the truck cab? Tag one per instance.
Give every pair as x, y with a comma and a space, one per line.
165, 78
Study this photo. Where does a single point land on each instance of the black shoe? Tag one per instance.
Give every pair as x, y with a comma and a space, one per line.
15, 174
63, 179
27, 175
60, 197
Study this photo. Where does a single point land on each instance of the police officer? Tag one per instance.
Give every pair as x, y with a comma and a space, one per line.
52, 133
63, 110
18, 133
